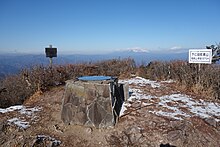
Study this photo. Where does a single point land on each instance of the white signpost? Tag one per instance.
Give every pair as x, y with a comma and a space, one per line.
200, 56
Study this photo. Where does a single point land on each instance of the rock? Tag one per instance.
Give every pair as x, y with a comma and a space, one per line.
43, 140
211, 121
89, 130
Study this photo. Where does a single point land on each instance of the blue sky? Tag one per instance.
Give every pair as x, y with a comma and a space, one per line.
101, 26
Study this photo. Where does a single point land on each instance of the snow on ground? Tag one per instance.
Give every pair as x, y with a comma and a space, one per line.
20, 123
10, 109
54, 141
24, 112
141, 82
22, 109
176, 106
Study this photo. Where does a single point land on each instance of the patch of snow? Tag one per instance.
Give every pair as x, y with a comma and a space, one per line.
174, 115
173, 104
207, 109
12, 108
19, 123
141, 82
22, 109
146, 104
29, 111
168, 81
123, 109
137, 94
198, 108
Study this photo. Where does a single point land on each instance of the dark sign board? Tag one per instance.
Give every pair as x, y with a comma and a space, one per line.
51, 52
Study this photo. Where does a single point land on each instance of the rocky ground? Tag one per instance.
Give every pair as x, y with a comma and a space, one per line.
156, 114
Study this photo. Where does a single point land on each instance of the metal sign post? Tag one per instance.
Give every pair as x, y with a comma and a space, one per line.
200, 56
51, 52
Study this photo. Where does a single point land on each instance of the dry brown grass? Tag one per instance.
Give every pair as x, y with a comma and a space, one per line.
17, 88
204, 81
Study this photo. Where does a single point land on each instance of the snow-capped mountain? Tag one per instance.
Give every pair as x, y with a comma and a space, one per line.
139, 50
135, 50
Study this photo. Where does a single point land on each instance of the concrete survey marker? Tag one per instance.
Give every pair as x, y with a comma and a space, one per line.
93, 101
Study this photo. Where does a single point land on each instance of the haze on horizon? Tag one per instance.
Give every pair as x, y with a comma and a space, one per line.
97, 26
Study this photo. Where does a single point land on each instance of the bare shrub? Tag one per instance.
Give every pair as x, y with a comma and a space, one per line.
15, 89
116, 67
203, 79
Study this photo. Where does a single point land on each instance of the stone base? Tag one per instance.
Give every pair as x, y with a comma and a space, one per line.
93, 103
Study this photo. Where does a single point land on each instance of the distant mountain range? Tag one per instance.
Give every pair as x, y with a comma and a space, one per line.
13, 63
